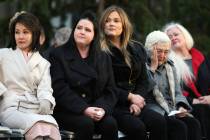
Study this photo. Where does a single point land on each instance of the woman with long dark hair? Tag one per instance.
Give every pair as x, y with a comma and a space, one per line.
83, 84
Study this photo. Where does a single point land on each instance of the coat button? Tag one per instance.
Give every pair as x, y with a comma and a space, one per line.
83, 95
78, 83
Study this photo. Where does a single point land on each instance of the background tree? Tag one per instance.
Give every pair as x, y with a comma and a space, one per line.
146, 15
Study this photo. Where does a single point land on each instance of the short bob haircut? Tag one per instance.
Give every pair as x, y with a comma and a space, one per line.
188, 37
31, 22
156, 37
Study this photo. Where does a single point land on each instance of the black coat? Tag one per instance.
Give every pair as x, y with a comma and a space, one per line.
79, 83
134, 79
202, 79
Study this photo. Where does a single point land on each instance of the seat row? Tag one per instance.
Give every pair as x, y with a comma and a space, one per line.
18, 134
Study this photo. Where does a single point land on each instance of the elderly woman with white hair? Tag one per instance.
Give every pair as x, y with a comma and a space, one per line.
195, 77
60, 38
167, 98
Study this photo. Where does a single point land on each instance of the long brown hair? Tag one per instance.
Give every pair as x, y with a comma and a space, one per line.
126, 32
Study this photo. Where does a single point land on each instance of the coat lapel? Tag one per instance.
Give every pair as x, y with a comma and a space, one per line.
34, 60
24, 67
76, 63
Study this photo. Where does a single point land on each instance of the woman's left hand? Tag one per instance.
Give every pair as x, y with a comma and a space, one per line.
44, 107
204, 99
100, 112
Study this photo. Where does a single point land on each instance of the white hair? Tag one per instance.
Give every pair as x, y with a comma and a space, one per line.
61, 36
156, 37
188, 37
183, 70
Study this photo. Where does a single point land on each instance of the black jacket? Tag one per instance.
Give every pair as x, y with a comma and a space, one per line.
134, 79
202, 76
79, 83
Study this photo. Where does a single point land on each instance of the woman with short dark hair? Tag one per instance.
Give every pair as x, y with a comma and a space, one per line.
25, 83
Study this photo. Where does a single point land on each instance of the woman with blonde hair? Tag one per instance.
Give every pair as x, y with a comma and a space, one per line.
131, 77
196, 87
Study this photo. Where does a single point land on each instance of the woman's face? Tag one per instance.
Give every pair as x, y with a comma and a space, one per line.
162, 52
177, 38
84, 32
113, 25
23, 37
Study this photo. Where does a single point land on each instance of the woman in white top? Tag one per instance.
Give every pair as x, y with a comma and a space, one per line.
25, 84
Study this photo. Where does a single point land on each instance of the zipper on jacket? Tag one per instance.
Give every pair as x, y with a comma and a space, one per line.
129, 80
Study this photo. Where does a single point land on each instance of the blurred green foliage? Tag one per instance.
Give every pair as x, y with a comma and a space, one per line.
146, 15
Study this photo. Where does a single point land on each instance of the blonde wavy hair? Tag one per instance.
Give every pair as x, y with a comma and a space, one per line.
127, 31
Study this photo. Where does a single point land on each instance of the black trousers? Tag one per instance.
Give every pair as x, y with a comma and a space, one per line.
135, 128
186, 128
202, 113
84, 127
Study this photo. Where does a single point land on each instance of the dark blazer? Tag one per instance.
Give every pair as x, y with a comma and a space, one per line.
79, 83
134, 79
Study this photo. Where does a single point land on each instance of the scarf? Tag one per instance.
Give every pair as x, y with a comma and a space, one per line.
159, 96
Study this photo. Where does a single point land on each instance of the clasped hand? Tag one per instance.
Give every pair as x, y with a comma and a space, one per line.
202, 100
45, 107
95, 113
135, 110
137, 100
183, 112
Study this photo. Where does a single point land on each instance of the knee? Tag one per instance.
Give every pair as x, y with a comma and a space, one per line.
159, 121
158, 124
86, 125
193, 124
182, 127
139, 129
109, 124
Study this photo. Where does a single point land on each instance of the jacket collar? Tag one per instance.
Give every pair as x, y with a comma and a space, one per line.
197, 60
117, 56
71, 54
33, 61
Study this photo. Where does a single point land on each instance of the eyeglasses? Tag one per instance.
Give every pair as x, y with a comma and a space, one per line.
163, 51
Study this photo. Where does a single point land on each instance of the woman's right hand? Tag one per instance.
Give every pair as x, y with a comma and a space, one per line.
183, 112
95, 113
135, 110
154, 60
